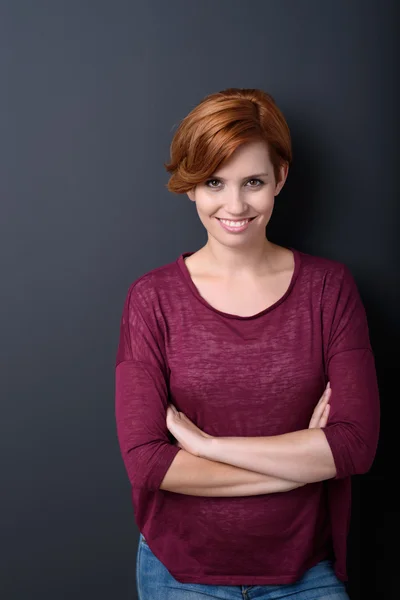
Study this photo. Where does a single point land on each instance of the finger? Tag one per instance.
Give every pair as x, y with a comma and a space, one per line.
321, 418
325, 415
175, 411
322, 402
324, 396
315, 418
319, 409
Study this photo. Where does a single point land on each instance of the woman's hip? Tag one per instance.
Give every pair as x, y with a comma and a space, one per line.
155, 582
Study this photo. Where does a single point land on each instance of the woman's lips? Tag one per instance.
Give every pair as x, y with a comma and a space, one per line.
235, 228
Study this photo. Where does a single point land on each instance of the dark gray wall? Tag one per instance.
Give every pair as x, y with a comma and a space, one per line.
91, 93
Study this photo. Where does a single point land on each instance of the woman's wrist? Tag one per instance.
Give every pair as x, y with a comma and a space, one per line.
205, 446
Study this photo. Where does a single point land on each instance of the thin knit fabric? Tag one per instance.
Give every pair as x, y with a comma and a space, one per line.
260, 375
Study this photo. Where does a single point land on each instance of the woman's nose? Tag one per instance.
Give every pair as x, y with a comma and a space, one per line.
235, 204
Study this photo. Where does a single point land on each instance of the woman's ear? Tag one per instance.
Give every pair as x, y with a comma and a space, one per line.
283, 173
190, 194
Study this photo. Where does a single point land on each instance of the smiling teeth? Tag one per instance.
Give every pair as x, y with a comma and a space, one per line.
235, 223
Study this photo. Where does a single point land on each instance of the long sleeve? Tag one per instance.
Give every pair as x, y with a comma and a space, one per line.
353, 425
176, 347
141, 396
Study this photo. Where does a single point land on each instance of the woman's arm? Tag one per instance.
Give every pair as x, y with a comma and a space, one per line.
196, 476
282, 459
302, 456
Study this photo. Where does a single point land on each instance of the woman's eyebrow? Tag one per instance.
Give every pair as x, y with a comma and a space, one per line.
244, 178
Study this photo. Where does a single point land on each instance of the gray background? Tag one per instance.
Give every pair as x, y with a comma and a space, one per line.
91, 94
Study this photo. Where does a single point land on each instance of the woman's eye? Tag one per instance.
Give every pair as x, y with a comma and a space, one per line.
258, 180
212, 181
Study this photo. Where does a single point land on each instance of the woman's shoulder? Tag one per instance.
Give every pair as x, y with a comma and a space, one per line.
328, 278
322, 265
147, 287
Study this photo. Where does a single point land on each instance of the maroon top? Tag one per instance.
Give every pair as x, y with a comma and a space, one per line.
245, 376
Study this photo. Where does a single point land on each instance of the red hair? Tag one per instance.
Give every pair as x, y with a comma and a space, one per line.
217, 126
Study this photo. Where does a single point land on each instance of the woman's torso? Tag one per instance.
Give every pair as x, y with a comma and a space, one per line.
233, 375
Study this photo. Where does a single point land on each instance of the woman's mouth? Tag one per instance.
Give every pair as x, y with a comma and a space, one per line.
235, 226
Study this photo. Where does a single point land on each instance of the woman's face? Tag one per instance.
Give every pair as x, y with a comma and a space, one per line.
243, 188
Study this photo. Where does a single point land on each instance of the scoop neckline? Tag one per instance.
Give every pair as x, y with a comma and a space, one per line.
184, 271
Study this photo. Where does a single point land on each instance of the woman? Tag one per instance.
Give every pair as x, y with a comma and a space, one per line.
246, 391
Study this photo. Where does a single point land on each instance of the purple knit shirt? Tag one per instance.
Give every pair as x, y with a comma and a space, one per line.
245, 376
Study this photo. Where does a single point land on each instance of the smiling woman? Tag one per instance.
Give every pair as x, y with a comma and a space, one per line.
228, 350
231, 156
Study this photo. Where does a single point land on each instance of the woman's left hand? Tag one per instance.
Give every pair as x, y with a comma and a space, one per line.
188, 435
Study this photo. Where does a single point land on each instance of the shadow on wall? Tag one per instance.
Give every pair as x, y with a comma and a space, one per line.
306, 209
300, 211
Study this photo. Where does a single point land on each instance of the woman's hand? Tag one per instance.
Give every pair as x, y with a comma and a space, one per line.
321, 411
189, 437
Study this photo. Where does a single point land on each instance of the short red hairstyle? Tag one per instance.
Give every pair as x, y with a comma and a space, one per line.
217, 126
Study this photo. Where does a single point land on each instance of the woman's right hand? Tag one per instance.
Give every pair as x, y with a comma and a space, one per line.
321, 411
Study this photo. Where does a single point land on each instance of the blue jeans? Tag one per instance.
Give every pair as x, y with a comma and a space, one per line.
155, 582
